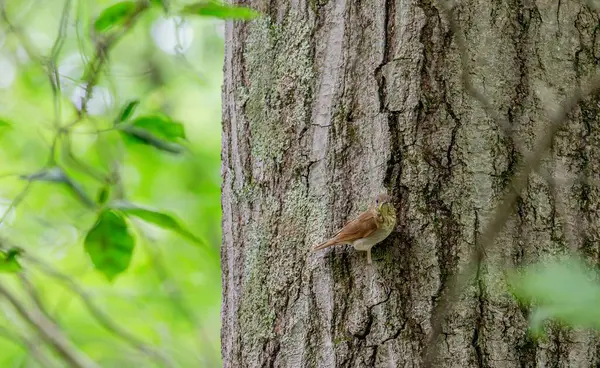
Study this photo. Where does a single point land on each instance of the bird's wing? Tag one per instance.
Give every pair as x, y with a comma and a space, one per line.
358, 228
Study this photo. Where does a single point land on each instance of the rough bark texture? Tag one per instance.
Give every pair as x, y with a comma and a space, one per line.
328, 102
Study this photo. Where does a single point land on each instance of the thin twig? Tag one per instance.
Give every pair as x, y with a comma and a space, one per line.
54, 79
106, 321
24, 41
499, 119
29, 345
180, 52
100, 58
502, 122
502, 212
95, 67
16, 201
53, 75
33, 293
49, 332
501, 215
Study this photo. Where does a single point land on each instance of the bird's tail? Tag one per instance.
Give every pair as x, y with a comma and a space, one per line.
324, 245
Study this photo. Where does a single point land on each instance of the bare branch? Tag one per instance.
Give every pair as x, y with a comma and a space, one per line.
49, 332
106, 321
34, 295
16, 201
503, 211
28, 344
488, 107
100, 58
53, 75
23, 39
501, 215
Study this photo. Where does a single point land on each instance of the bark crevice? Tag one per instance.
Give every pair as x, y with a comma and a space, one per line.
327, 103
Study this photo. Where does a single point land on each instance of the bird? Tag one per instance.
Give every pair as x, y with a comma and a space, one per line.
369, 228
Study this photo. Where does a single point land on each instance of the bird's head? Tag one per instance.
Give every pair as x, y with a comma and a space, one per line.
382, 201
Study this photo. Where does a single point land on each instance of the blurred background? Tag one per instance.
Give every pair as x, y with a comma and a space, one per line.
169, 297
145, 289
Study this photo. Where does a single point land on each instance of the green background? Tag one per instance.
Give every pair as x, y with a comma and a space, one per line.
170, 295
167, 292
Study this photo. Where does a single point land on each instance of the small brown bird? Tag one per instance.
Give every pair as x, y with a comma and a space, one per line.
370, 228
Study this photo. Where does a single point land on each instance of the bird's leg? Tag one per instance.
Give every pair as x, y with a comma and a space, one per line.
369, 256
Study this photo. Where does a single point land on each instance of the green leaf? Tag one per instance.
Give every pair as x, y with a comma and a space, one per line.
156, 130
128, 110
114, 15
563, 289
222, 11
9, 262
56, 174
156, 217
160, 126
142, 136
110, 244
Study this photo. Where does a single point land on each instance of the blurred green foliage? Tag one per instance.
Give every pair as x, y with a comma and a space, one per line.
124, 198
563, 289
110, 151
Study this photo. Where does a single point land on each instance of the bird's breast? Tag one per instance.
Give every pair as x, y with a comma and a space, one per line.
368, 242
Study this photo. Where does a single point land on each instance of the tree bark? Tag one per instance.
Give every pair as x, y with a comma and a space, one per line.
326, 103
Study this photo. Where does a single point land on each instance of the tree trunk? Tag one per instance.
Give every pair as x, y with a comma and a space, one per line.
326, 103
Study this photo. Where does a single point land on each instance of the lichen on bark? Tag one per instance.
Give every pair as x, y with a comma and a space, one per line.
327, 103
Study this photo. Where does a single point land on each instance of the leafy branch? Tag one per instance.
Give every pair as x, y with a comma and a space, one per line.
110, 242
155, 130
